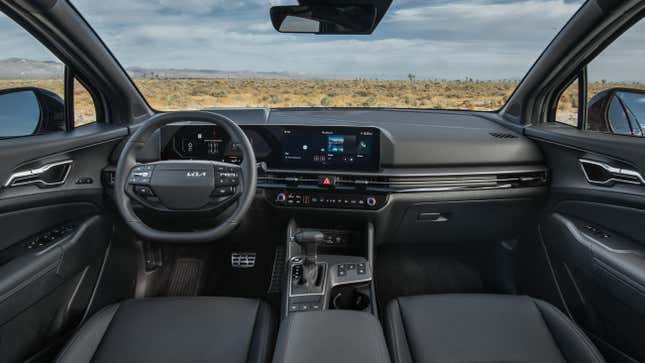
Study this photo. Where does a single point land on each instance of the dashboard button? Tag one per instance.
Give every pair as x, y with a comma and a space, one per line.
327, 181
371, 201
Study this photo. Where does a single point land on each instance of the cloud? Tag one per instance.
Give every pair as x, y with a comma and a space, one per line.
518, 21
432, 39
622, 61
17, 43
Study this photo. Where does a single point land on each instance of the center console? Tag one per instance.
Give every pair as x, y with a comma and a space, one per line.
329, 306
338, 278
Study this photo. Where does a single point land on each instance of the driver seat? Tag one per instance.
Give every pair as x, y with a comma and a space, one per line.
176, 329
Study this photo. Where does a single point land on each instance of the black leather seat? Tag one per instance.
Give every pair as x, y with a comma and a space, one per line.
483, 328
176, 330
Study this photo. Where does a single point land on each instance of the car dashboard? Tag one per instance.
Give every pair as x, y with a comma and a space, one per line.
405, 169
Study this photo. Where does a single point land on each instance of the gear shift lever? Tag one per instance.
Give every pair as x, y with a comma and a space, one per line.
309, 241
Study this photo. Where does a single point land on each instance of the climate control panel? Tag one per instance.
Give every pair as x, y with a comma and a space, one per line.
314, 199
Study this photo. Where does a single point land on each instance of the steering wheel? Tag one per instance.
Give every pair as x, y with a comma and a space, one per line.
185, 186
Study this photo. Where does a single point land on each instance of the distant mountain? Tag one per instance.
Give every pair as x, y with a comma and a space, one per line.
139, 72
19, 68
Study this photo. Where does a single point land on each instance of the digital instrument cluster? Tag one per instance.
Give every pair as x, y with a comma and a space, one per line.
204, 142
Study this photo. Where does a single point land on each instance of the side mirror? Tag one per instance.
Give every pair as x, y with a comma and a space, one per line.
617, 110
30, 111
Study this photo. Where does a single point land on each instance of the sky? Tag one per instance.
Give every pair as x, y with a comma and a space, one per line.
432, 39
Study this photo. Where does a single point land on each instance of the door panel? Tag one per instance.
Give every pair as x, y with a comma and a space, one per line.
593, 235
54, 239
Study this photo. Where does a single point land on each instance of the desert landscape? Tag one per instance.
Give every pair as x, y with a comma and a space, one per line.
191, 93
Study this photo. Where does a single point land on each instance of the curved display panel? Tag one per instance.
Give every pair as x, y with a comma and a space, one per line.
325, 148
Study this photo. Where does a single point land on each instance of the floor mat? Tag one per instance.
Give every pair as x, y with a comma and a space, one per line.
186, 276
403, 270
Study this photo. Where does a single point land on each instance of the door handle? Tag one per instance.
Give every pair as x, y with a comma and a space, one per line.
47, 175
597, 172
433, 217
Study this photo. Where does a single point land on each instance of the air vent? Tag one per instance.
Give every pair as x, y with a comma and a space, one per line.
502, 135
465, 182
406, 183
108, 176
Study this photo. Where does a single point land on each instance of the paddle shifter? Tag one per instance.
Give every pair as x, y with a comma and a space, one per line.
309, 241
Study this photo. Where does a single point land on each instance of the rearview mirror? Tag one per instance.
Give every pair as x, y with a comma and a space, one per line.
618, 110
325, 19
29, 111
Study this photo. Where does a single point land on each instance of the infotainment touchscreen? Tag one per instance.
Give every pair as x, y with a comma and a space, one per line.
340, 148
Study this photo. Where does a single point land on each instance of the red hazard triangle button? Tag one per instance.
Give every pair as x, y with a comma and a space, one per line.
327, 181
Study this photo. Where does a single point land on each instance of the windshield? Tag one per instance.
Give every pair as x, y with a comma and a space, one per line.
197, 54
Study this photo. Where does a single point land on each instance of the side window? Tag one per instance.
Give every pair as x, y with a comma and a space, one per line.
567, 111
32, 87
615, 88
84, 109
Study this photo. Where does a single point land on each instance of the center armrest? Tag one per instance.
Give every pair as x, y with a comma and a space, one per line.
331, 336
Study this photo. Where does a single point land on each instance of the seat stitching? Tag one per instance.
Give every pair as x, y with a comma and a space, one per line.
392, 333
578, 332
377, 343
264, 347
77, 335
583, 338
405, 333
255, 323
106, 330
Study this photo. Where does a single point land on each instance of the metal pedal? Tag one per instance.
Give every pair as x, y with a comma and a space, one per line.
243, 259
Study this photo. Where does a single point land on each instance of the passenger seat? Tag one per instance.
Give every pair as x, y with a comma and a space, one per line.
483, 328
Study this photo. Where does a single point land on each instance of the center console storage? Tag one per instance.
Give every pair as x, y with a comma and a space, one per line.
331, 336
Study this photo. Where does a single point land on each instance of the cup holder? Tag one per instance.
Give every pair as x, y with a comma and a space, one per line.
349, 298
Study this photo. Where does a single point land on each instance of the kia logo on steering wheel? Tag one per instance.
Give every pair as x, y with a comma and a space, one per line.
195, 174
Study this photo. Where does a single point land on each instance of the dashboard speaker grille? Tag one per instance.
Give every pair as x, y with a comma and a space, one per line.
502, 135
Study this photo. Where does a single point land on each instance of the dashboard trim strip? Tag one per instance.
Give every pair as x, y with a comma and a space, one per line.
388, 173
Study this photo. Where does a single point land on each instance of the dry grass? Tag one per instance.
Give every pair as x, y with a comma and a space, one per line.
175, 94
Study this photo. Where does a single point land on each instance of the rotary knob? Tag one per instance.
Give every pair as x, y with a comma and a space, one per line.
371, 201
280, 197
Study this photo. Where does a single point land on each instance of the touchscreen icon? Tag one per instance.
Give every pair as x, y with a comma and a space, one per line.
335, 144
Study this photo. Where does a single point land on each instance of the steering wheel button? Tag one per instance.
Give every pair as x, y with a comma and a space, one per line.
141, 174
222, 191
143, 191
